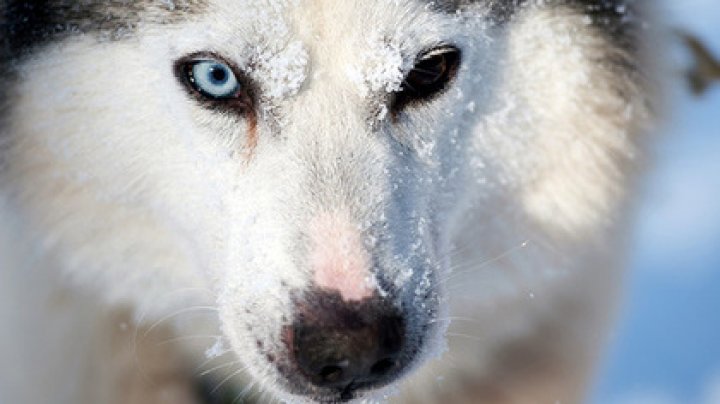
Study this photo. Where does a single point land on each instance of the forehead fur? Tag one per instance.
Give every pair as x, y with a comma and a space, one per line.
28, 23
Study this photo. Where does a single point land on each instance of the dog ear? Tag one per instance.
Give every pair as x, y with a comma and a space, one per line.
706, 67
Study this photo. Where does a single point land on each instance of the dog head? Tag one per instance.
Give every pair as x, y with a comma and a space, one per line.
305, 160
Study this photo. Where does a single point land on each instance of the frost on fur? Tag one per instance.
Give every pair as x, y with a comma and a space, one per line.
383, 70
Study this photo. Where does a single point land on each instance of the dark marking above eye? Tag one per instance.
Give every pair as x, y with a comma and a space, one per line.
432, 73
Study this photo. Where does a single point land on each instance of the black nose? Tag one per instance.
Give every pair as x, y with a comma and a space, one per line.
348, 345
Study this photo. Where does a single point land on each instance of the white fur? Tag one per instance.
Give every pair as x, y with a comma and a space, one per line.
120, 190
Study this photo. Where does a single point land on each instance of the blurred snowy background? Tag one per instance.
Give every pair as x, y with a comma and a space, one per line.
667, 346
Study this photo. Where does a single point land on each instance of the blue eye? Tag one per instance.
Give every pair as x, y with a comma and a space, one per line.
213, 79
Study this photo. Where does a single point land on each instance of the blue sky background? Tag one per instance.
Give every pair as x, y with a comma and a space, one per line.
667, 346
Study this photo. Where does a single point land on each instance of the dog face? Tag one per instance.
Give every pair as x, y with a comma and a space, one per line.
304, 159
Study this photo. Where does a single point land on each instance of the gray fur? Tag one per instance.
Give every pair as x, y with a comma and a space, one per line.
26, 24
615, 18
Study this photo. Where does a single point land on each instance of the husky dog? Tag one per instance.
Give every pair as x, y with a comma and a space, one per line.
404, 200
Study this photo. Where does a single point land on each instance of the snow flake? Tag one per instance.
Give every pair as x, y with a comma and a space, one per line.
217, 350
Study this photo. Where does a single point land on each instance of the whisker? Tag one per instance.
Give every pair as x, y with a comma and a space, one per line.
223, 366
466, 336
177, 313
456, 249
454, 274
141, 318
186, 338
212, 358
459, 285
241, 396
230, 376
207, 362
175, 292
452, 318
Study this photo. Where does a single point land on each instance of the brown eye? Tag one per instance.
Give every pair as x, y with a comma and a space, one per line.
433, 71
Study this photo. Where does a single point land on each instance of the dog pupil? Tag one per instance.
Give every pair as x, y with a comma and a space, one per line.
218, 74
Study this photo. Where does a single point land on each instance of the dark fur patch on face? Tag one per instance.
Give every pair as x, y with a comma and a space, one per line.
499, 10
616, 18
26, 24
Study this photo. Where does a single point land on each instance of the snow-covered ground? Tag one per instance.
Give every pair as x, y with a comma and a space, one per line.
667, 348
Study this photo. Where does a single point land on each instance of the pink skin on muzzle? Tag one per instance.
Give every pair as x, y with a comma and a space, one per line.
339, 260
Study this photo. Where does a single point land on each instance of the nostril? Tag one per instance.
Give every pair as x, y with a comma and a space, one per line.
346, 346
331, 373
382, 366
